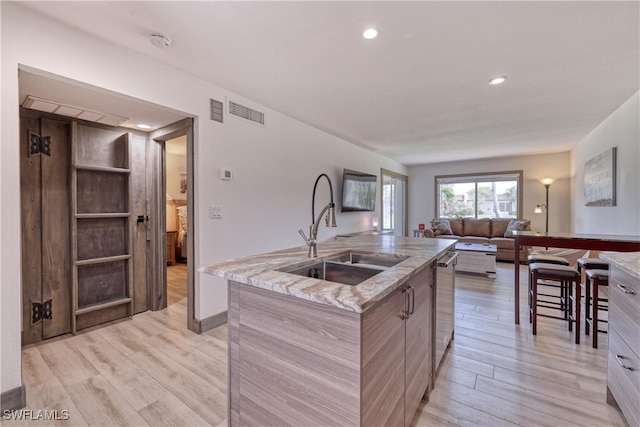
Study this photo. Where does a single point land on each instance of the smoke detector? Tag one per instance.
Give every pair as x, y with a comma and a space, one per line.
160, 41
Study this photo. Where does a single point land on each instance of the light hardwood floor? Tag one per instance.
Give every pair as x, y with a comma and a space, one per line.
150, 370
176, 283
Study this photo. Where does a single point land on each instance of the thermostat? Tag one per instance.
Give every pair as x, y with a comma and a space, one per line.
226, 174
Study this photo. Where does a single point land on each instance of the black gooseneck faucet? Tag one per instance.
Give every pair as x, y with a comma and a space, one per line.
330, 208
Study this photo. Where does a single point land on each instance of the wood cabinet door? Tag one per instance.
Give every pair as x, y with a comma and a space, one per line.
383, 341
445, 313
44, 210
418, 346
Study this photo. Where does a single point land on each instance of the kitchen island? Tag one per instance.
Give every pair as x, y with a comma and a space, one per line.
623, 359
308, 351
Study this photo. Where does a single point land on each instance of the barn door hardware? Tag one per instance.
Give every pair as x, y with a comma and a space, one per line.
41, 311
142, 218
39, 144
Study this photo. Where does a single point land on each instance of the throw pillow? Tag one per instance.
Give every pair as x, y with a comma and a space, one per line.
516, 225
441, 227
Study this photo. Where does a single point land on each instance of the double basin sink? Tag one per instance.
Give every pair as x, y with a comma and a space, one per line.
350, 268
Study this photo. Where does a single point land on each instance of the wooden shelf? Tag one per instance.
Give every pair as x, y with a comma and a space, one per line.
108, 304
101, 182
102, 169
103, 215
102, 260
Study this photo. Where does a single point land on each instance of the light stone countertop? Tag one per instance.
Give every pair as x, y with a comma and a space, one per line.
262, 271
627, 261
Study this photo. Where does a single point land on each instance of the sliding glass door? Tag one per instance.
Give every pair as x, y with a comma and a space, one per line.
394, 202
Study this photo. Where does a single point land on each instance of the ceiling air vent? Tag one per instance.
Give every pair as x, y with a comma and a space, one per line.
241, 111
216, 111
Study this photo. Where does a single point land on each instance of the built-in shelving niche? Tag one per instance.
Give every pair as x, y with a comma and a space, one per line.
101, 226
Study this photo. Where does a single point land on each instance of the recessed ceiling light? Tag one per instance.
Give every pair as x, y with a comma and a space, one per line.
143, 126
497, 80
370, 33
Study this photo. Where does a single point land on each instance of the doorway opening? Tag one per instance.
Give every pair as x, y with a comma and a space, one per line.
394, 202
176, 184
103, 226
172, 283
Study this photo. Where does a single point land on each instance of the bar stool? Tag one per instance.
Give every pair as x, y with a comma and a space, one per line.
567, 276
595, 279
585, 264
550, 259
547, 259
592, 264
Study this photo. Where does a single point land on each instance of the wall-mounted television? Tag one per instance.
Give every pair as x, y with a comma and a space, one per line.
358, 191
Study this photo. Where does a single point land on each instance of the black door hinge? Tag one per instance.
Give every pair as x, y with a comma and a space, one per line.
39, 144
41, 311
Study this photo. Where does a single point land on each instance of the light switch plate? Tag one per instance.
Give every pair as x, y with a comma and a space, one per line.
215, 212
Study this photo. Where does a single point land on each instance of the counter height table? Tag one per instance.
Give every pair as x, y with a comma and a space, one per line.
596, 242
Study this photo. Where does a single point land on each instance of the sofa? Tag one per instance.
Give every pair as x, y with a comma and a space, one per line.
494, 231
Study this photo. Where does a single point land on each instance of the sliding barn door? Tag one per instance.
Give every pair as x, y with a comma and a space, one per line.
44, 210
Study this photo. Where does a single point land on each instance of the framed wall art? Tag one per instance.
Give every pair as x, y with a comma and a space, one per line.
600, 179
183, 181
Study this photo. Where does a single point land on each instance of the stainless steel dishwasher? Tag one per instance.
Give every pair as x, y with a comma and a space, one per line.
444, 304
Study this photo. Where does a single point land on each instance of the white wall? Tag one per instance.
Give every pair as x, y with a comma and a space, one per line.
176, 164
274, 167
566, 195
422, 204
621, 130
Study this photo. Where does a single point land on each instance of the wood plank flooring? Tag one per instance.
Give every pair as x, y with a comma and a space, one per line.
498, 373
176, 283
151, 370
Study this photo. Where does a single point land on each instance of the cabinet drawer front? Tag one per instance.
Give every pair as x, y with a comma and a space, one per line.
624, 307
624, 383
383, 344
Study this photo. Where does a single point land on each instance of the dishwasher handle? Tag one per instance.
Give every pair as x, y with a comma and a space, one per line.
449, 259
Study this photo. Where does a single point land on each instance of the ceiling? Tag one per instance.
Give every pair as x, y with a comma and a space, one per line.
76, 95
418, 93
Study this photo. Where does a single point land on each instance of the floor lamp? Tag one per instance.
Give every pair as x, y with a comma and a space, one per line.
547, 183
